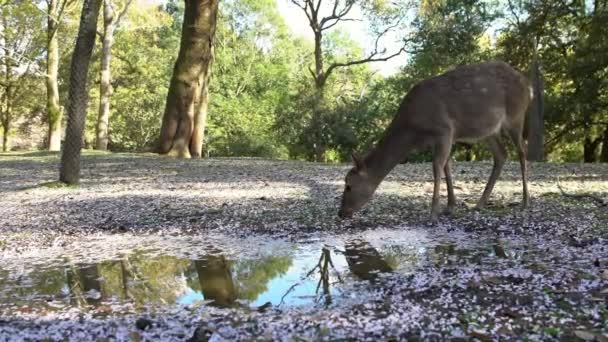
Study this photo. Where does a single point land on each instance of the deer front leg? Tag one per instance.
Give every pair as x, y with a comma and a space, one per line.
518, 141
440, 158
500, 155
448, 181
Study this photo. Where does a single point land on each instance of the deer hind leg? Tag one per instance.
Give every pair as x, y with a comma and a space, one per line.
450, 185
500, 155
518, 141
440, 157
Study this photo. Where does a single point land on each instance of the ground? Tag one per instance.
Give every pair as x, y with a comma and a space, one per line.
536, 274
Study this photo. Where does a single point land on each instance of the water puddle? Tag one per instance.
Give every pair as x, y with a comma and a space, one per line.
247, 274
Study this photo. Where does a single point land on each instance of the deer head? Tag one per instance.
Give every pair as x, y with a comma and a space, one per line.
358, 188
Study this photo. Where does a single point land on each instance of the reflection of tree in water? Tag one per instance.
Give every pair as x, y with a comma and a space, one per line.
147, 280
364, 260
135, 278
90, 283
215, 278
323, 267
44, 283
249, 277
253, 276
403, 257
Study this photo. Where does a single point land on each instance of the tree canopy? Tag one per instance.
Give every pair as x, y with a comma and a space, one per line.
262, 97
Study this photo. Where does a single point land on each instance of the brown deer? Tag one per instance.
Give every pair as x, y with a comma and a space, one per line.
468, 104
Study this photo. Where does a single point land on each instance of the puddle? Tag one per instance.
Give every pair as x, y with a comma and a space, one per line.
245, 274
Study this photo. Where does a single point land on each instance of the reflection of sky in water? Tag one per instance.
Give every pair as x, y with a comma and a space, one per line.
302, 264
189, 297
145, 274
303, 293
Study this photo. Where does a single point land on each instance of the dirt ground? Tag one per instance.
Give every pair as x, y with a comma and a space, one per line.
550, 282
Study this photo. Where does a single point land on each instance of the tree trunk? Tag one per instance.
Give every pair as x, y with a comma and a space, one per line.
52, 88
78, 96
535, 136
105, 90
200, 119
7, 114
182, 129
589, 149
6, 125
604, 154
317, 111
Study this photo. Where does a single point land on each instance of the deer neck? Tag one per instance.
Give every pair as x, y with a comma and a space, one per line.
388, 152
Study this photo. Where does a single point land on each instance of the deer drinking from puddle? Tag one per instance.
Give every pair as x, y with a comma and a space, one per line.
468, 104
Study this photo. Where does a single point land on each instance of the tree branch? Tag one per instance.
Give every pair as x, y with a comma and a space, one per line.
372, 56
304, 8
336, 16
369, 59
122, 13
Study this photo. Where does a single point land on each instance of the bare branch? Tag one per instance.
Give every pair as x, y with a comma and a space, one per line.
336, 15
311, 72
304, 8
370, 58
514, 13
122, 13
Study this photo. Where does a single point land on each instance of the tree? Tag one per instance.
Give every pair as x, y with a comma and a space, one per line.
19, 47
55, 12
111, 21
255, 65
535, 120
339, 12
572, 52
142, 58
185, 116
69, 172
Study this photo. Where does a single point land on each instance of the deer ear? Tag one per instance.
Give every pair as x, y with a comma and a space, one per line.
357, 162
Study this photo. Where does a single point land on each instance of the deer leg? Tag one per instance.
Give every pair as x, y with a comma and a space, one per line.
518, 141
448, 181
500, 156
440, 158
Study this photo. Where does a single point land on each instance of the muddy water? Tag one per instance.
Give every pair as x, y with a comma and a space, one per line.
105, 275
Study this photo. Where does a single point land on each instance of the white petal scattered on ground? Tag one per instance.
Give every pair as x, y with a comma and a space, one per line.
502, 271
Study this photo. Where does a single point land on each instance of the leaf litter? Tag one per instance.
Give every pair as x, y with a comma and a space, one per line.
496, 273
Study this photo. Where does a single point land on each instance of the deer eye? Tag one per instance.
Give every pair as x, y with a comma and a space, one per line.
347, 188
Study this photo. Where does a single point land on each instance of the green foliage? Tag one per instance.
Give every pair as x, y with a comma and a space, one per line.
262, 97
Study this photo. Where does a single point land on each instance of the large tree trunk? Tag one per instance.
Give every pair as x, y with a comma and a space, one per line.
52, 89
105, 90
604, 154
78, 96
186, 107
590, 149
535, 136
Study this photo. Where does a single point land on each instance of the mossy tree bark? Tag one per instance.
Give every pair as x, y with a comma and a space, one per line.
52, 69
184, 120
111, 21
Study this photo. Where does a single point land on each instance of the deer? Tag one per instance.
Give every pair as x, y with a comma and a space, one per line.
471, 103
